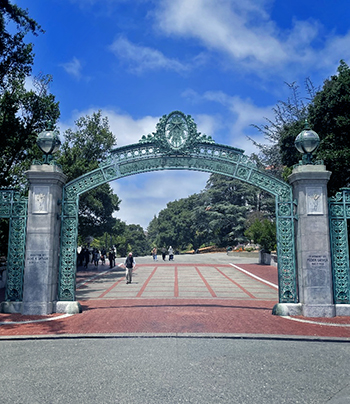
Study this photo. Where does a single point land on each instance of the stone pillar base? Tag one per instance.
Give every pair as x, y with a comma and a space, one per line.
342, 309
68, 307
287, 309
318, 310
37, 308
11, 307
308, 310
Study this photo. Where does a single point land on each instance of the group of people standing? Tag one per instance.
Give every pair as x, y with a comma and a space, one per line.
164, 252
85, 256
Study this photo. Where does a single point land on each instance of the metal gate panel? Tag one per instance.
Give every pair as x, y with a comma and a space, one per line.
339, 213
14, 207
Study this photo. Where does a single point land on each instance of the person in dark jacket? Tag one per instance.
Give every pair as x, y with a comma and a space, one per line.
111, 258
129, 265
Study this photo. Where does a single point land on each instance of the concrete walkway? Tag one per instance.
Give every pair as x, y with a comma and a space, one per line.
209, 294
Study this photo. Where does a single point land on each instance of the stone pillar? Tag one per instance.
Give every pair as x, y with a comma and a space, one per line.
43, 239
313, 241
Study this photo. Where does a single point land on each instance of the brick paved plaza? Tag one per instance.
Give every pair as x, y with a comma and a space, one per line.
203, 294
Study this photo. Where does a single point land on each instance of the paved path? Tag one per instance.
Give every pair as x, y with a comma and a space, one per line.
196, 294
196, 330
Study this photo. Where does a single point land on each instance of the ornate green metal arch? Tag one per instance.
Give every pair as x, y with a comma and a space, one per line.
14, 207
339, 214
176, 145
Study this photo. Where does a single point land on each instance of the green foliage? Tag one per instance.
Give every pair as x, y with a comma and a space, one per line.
135, 241
83, 149
16, 57
327, 111
174, 225
263, 232
329, 116
280, 133
23, 113
217, 215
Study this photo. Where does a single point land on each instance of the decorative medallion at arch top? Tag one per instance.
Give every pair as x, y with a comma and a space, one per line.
176, 133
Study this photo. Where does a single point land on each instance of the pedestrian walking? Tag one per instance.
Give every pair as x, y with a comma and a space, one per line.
111, 259
96, 257
163, 253
171, 253
86, 257
154, 254
129, 266
103, 256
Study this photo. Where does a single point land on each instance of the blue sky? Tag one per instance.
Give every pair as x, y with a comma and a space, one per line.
225, 62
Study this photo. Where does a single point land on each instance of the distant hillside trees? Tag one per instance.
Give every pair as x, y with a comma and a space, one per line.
219, 215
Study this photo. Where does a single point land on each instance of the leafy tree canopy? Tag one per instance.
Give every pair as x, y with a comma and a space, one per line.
135, 241
16, 56
329, 116
82, 151
218, 215
327, 111
263, 232
23, 113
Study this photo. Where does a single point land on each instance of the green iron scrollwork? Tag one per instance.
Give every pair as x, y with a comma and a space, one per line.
14, 207
339, 213
176, 145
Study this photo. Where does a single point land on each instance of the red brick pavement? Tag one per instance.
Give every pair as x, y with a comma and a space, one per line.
155, 316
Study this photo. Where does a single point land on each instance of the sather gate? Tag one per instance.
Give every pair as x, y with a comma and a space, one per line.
177, 145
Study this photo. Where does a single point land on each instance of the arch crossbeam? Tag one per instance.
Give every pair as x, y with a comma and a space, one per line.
176, 145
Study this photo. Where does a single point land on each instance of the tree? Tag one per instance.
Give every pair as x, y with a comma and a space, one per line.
263, 232
23, 113
327, 111
82, 151
174, 225
329, 116
16, 57
135, 241
230, 203
153, 232
217, 215
279, 154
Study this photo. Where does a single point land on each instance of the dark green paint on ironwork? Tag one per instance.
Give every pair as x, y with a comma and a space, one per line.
339, 214
177, 145
14, 207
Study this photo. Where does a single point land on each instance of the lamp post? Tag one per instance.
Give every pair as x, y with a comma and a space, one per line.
306, 143
48, 142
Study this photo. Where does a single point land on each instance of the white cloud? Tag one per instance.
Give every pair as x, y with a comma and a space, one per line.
141, 58
245, 32
145, 195
129, 130
235, 126
73, 68
225, 26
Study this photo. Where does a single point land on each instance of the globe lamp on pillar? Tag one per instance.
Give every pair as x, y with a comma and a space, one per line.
306, 143
48, 142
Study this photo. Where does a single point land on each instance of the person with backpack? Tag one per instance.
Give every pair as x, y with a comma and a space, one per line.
129, 265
